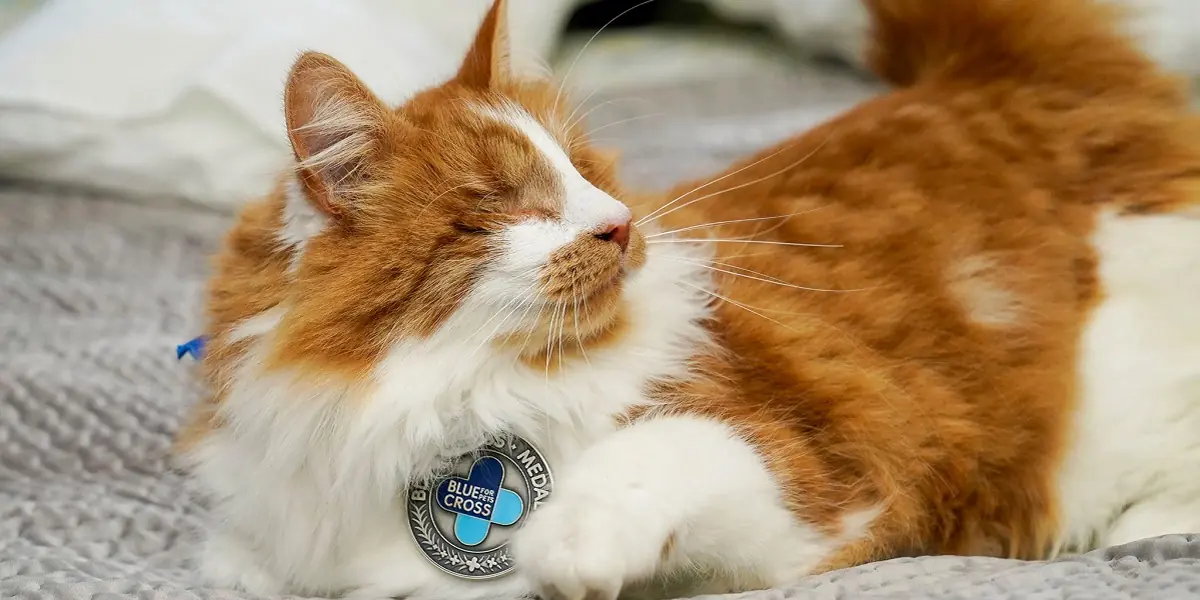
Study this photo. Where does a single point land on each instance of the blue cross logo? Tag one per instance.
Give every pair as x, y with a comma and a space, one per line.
479, 501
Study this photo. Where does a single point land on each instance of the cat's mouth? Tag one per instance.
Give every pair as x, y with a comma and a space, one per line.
578, 306
589, 293
589, 273
581, 289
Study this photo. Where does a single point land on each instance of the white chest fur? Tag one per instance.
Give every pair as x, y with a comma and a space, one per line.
1133, 467
308, 478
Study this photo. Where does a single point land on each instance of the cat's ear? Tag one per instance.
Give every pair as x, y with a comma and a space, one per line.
487, 61
334, 124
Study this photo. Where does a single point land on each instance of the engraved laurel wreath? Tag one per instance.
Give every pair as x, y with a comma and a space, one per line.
429, 537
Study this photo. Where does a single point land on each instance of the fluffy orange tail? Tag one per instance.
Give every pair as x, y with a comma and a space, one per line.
1064, 42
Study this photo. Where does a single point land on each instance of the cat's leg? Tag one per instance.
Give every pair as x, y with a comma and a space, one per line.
228, 563
1158, 515
658, 496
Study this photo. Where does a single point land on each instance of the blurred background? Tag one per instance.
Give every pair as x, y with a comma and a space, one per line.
169, 100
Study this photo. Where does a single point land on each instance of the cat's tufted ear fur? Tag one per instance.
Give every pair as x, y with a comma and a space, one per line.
488, 62
334, 123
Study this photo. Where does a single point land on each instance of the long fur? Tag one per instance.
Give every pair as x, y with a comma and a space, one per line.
907, 331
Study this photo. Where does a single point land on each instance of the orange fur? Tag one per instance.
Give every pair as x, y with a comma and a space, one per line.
936, 381
412, 202
988, 169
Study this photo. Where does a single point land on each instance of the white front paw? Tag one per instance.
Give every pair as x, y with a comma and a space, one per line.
227, 564
578, 548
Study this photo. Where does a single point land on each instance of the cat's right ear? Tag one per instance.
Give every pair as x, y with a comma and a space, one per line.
487, 62
334, 124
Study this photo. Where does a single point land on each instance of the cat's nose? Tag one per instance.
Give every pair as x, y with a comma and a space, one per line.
617, 233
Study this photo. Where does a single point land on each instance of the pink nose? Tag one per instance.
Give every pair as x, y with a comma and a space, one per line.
617, 233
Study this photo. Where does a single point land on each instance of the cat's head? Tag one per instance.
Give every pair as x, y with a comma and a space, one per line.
476, 195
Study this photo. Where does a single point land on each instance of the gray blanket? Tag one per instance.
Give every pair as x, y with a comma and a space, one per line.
96, 293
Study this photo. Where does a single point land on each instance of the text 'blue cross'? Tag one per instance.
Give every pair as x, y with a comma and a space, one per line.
479, 501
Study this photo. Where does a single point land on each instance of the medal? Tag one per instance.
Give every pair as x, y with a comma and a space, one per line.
463, 520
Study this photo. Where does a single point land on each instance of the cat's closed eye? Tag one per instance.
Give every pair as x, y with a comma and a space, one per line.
467, 229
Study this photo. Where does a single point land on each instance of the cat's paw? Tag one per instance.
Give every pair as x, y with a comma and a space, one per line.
227, 564
586, 549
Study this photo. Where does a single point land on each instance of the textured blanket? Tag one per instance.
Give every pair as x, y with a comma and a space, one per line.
95, 294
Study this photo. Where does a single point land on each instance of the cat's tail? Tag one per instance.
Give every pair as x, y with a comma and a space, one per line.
1064, 42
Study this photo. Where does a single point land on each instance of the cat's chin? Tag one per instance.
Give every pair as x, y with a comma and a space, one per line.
569, 327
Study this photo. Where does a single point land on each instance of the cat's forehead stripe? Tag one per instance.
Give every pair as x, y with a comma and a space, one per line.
584, 205
537, 135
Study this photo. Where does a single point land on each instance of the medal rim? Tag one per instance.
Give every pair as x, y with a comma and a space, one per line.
436, 481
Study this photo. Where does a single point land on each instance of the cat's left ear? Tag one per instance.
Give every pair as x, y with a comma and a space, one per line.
488, 63
335, 125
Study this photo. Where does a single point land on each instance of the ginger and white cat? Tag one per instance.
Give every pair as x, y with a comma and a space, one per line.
964, 317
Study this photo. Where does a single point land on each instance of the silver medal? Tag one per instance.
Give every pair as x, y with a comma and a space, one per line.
463, 520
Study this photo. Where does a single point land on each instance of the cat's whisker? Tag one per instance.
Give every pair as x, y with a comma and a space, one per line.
562, 331
497, 329
567, 76
731, 222
515, 305
548, 346
741, 241
748, 255
551, 339
529, 332
522, 321
757, 233
705, 263
562, 334
744, 185
572, 124
514, 302
774, 280
504, 307
610, 142
744, 307
623, 121
578, 338
653, 214
588, 317
569, 123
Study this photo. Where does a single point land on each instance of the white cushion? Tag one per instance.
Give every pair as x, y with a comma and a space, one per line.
181, 99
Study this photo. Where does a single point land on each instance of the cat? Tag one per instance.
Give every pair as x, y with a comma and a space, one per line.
960, 318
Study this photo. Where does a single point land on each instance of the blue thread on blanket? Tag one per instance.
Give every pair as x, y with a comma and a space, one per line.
195, 347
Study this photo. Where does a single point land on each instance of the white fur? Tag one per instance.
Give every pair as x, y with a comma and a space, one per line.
309, 475
586, 210
258, 325
1168, 31
585, 207
978, 283
301, 220
1137, 433
689, 482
